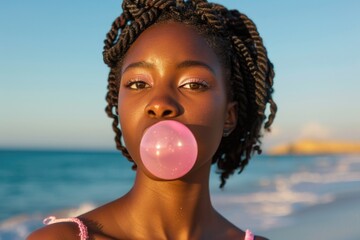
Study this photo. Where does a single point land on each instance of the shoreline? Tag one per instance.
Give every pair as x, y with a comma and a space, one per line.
277, 197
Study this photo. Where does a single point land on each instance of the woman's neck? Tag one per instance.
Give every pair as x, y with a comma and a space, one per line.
170, 208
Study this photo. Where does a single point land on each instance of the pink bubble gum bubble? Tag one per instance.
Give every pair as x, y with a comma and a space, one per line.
168, 149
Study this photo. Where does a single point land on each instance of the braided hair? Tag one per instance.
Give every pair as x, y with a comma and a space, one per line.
235, 40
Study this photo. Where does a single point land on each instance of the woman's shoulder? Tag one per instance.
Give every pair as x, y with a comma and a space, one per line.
69, 231
89, 224
56, 231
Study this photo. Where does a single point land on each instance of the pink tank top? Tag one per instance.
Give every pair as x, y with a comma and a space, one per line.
83, 233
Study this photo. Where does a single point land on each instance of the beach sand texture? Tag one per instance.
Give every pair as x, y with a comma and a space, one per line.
338, 220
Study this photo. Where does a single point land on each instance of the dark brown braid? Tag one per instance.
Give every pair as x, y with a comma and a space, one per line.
236, 41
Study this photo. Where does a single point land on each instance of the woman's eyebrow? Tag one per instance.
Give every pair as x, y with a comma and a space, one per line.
184, 64
141, 64
195, 63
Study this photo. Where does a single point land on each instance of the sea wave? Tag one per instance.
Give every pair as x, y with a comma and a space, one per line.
267, 196
278, 198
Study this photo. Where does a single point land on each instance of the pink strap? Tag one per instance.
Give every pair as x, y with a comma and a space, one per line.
84, 232
249, 235
83, 229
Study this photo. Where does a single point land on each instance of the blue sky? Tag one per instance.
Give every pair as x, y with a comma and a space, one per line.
53, 80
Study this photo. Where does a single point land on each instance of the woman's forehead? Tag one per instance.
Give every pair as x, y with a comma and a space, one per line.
173, 41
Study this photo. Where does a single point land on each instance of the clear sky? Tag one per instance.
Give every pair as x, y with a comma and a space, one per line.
53, 80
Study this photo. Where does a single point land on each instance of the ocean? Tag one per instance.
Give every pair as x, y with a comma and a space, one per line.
280, 197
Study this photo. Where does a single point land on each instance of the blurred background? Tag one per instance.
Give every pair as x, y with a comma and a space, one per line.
52, 100
53, 79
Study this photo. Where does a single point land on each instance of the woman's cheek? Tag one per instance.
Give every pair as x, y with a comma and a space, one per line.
208, 132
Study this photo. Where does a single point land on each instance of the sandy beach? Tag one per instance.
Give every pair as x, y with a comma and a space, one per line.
337, 220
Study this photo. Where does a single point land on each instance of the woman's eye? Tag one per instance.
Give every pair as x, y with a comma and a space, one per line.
137, 85
195, 85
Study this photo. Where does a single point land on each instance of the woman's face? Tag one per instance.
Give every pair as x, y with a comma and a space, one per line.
170, 72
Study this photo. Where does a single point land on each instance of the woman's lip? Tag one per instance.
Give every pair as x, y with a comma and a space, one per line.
163, 120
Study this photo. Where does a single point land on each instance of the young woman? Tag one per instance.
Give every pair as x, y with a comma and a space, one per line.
204, 67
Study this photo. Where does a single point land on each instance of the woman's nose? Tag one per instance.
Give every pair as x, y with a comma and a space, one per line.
163, 107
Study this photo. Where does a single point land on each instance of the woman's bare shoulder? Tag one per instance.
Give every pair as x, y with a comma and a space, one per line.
95, 221
56, 231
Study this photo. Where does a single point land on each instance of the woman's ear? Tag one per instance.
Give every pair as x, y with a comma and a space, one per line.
231, 118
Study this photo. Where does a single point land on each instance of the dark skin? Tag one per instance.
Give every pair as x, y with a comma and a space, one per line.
169, 72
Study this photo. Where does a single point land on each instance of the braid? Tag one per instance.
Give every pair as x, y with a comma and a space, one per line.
236, 41
111, 110
113, 35
251, 67
207, 12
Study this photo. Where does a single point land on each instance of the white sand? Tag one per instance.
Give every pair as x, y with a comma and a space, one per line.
338, 220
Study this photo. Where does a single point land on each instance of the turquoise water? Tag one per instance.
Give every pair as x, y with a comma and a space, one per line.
43, 181
269, 193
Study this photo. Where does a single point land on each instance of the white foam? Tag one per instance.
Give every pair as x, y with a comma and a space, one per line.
277, 198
